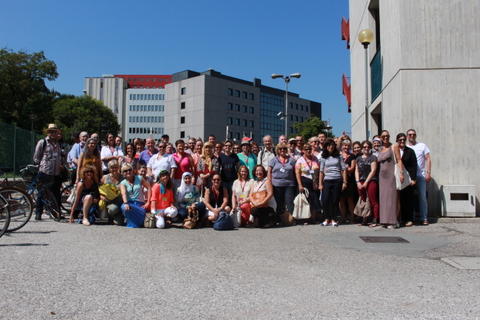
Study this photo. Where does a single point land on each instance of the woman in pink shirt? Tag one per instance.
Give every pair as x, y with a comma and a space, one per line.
184, 163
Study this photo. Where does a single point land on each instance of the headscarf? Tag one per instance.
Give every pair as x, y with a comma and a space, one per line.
184, 188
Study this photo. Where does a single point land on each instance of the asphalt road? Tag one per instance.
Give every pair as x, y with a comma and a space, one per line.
59, 271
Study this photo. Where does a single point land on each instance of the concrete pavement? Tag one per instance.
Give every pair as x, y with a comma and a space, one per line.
59, 271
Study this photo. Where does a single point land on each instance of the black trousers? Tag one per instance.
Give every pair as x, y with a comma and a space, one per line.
407, 203
52, 183
331, 197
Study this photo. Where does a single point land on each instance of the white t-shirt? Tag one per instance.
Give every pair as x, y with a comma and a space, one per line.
160, 162
421, 150
106, 152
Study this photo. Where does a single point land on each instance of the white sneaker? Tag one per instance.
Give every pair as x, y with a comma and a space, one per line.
325, 223
334, 224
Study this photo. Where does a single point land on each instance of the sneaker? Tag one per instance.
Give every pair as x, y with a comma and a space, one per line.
325, 223
409, 224
334, 224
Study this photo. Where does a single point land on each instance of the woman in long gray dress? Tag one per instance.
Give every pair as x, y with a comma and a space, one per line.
389, 201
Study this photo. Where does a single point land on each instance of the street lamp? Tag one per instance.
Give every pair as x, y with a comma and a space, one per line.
287, 80
366, 37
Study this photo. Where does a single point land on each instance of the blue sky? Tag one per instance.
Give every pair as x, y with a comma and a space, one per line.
244, 39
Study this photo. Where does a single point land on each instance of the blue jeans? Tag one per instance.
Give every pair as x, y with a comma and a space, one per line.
422, 205
284, 197
136, 215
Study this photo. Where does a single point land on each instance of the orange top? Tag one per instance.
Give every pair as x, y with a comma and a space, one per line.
162, 201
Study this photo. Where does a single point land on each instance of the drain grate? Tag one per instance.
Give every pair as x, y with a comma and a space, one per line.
377, 239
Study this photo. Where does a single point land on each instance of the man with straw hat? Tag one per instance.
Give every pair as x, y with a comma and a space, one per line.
48, 155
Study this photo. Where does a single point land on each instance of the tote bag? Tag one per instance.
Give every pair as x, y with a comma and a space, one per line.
406, 176
301, 208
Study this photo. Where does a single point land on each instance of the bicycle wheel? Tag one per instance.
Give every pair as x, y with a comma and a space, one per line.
20, 206
4, 216
50, 204
66, 191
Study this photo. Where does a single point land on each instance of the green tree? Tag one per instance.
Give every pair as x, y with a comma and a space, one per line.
312, 127
74, 114
24, 97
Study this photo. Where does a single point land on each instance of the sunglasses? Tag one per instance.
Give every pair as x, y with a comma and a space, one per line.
412, 134
401, 140
215, 179
128, 170
366, 147
386, 136
307, 149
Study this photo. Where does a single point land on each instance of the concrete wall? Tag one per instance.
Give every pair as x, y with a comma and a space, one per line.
431, 70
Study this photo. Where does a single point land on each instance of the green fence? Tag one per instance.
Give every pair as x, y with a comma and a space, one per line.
17, 146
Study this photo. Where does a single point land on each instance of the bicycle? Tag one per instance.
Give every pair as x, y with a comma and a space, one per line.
20, 206
4, 216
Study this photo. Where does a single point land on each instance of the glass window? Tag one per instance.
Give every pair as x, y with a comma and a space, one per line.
245, 123
237, 122
296, 106
245, 109
238, 135
183, 90
252, 110
237, 107
237, 93
252, 96
306, 108
182, 134
230, 106
230, 91
291, 105
182, 105
230, 120
182, 119
252, 123
245, 94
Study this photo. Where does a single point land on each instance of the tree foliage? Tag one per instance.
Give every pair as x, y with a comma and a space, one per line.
24, 97
312, 127
74, 114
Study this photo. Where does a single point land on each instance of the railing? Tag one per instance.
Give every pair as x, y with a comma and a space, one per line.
376, 74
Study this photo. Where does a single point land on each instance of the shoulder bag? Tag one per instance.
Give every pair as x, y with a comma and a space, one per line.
406, 176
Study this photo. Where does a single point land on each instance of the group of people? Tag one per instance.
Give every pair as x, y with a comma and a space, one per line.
167, 183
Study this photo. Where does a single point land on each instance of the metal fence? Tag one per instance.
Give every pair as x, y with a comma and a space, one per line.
17, 146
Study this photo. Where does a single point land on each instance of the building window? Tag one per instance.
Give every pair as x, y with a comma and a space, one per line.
230, 120
230, 106
296, 106
291, 105
230, 91
245, 94
306, 108
237, 122
238, 135
291, 117
252, 110
237, 93
182, 105
183, 90
301, 107
252, 96
245, 109
252, 124
182, 119
237, 107
182, 134
245, 123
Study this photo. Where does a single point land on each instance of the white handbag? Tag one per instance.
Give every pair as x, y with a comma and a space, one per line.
236, 216
301, 208
406, 176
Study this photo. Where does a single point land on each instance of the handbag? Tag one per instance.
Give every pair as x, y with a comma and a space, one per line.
236, 215
260, 196
73, 194
149, 221
223, 222
301, 208
192, 220
109, 191
245, 213
362, 208
406, 177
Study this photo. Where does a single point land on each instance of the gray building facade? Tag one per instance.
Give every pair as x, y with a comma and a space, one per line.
423, 73
198, 104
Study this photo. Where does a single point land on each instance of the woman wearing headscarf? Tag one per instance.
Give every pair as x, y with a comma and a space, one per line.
187, 197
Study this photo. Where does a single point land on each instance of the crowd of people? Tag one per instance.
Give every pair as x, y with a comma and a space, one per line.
207, 182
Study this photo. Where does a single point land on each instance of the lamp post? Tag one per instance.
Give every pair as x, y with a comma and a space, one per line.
366, 37
287, 80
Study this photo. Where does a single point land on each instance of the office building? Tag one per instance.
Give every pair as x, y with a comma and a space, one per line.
423, 73
202, 103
